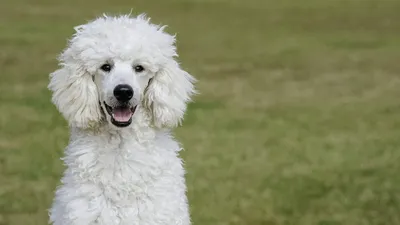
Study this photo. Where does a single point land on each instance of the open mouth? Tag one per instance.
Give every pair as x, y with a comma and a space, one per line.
121, 116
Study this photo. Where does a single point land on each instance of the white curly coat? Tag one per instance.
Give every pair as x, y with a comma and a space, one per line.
121, 175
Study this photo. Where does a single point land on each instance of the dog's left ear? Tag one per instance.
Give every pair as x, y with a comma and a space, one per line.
167, 95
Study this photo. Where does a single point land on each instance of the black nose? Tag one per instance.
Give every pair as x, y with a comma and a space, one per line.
123, 92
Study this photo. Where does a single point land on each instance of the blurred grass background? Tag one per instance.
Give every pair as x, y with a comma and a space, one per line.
298, 121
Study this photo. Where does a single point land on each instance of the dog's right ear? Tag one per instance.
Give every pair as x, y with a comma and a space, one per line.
75, 95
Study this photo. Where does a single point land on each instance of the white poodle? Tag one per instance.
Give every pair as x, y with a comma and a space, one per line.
121, 91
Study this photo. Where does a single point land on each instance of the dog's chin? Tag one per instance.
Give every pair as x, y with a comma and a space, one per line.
121, 124
120, 116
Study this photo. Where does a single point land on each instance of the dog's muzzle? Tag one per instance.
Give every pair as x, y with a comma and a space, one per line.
121, 114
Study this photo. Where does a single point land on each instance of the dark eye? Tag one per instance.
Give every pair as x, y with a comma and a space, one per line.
106, 67
138, 68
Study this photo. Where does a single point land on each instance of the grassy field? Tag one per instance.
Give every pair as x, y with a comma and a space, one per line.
298, 121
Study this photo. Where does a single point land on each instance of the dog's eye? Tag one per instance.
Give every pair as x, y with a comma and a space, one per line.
106, 67
138, 68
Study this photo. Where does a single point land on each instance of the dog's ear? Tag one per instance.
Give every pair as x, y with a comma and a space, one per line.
75, 95
167, 95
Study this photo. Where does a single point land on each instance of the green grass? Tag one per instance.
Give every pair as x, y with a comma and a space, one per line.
298, 121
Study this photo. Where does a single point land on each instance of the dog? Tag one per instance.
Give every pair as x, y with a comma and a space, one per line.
122, 91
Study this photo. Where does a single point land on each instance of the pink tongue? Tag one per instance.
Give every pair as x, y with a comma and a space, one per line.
122, 114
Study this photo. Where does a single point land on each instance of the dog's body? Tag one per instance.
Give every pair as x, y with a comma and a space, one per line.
122, 178
121, 91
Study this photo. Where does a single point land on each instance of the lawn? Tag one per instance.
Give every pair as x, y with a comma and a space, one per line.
297, 123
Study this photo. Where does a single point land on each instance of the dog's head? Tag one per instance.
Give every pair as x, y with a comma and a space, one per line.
114, 66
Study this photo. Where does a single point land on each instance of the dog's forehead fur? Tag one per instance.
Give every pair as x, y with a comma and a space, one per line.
123, 38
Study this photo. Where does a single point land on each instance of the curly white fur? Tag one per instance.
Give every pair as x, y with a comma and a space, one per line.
130, 175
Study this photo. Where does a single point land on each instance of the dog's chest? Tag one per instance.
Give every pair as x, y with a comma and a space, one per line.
114, 182
129, 171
